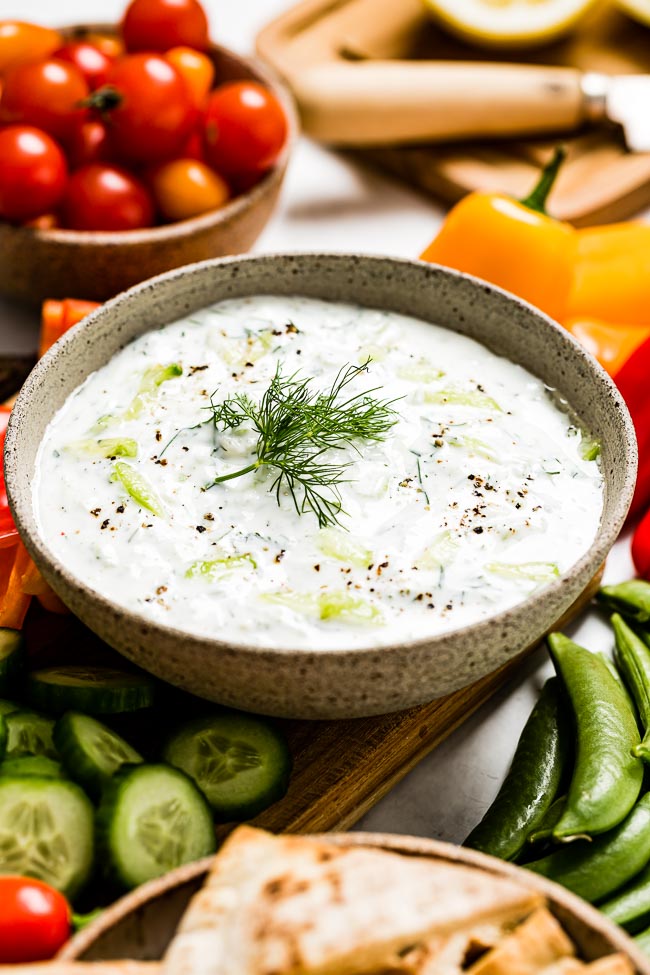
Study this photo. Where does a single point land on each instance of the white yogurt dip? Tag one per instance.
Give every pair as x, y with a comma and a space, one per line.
482, 491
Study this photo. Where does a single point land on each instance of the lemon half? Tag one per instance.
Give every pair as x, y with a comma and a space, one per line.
639, 9
512, 23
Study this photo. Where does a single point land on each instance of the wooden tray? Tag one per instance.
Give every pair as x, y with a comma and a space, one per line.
601, 182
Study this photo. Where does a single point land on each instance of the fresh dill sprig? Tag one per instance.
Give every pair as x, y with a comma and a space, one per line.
297, 425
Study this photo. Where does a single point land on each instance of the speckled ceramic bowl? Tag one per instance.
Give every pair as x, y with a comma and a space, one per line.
38, 264
343, 682
141, 925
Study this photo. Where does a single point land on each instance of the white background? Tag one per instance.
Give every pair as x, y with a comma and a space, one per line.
331, 203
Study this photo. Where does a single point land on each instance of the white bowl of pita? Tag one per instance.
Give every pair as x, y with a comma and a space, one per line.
349, 904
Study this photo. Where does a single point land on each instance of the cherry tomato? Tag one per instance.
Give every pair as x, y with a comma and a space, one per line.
185, 188
193, 148
149, 108
33, 173
47, 221
46, 94
21, 42
245, 128
34, 920
157, 25
196, 69
641, 547
89, 142
93, 64
103, 197
108, 44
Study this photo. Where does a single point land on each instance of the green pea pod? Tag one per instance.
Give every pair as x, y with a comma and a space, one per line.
597, 869
630, 907
136, 485
544, 830
532, 781
607, 777
631, 599
633, 659
642, 941
612, 668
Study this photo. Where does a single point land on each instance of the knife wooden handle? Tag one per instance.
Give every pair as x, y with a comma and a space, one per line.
379, 102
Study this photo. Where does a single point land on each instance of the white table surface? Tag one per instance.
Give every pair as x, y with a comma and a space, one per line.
331, 203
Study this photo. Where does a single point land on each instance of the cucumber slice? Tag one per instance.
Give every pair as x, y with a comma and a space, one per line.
29, 733
46, 831
8, 707
31, 766
91, 752
94, 690
11, 656
151, 819
241, 763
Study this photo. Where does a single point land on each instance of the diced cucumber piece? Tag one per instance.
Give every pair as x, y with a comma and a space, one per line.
344, 547
46, 831
95, 690
91, 752
241, 763
29, 733
151, 819
30, 766
137, 487
11, 656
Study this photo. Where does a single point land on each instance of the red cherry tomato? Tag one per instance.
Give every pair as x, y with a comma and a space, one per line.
93, 64
641, 547
34, 920
157, 25
103, 197
46, 94
89, 142
149, 108
33, 173
245, 128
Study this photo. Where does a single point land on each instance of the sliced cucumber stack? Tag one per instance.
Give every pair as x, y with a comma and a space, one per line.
11, 656
46, 831
151, 819
91, 752
241, 763
32, 766
29, 733
94, 690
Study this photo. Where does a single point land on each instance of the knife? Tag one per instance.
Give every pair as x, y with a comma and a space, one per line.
387, 102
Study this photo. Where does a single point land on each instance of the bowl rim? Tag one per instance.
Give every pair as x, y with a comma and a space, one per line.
418, 846
174, 229
39, 550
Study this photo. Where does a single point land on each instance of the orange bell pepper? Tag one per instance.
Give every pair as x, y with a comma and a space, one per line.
58, 316
513, 244
612, 274
611, 344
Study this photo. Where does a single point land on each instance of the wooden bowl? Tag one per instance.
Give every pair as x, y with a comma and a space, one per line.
39, 264
141, 925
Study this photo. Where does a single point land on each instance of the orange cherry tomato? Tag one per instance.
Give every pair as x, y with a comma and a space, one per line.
185, 188
197, 70
21, 42
47, 221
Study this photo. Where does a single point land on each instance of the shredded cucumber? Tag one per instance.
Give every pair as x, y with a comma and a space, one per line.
344, 547
589, 449
331, 605
108, 447
137, 487
535, 571
421, 371
220, 568
462, 397
154, 377
473, 445
440, 553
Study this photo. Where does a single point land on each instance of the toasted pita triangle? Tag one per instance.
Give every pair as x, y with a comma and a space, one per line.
292, 905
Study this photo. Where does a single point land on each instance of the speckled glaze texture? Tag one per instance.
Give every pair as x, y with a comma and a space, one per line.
39, 264
141, 925
342, 682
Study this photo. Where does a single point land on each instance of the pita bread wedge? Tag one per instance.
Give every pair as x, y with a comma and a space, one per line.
292, 905
611, 965
536, 943
83, 968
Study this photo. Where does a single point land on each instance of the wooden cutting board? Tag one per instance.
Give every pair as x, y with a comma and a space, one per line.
601, 182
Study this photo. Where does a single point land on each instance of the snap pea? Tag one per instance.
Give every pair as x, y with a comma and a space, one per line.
597, 869
607, 778
630, 907
633, 659
532, 780
544, 830
631, 599
642, 941
611, 666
